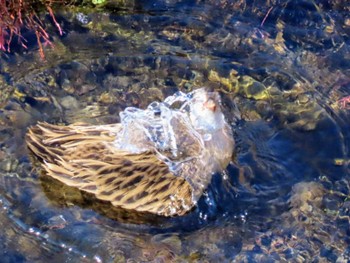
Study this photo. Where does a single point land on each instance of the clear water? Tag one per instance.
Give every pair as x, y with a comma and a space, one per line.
283, 82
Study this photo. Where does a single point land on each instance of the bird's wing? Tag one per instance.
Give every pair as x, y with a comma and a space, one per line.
84, 157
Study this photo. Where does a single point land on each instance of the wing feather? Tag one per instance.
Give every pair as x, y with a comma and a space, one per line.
84, 157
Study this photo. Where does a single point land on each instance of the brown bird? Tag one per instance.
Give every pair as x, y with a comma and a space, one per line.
158, 160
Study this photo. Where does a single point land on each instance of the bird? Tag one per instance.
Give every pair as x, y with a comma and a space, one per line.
157, 160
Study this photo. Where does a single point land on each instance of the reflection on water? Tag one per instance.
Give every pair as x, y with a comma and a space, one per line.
284, 86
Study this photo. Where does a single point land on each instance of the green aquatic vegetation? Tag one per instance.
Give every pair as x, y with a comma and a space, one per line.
98, 2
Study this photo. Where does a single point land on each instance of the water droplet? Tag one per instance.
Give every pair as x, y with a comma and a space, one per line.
82, 18
97, 259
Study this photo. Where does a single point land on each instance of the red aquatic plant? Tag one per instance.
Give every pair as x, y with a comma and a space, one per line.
17, 15
344, 103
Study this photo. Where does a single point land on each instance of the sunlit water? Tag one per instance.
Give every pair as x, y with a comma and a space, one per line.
283, 81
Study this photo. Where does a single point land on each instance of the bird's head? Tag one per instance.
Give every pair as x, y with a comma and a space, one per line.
205, 111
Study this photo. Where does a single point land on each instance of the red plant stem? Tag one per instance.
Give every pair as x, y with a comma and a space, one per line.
2, 39
18, 14
54, 20
344, 102
41, 50
267, 14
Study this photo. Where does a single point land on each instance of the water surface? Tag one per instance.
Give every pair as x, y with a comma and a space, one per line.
282, 69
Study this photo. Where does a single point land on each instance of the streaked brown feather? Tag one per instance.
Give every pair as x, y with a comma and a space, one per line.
84, 156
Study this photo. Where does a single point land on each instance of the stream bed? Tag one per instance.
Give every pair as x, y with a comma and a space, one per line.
282, 69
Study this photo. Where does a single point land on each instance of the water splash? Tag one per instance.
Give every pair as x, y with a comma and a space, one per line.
154, 127
187, 131
176, 129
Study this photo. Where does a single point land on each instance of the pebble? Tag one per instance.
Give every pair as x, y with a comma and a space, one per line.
69, 102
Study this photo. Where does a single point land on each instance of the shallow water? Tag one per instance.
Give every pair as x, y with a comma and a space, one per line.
284, 82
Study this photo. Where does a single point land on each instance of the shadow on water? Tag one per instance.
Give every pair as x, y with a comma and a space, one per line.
284, 85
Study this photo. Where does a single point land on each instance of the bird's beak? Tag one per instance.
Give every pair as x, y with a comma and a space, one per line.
210, 104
